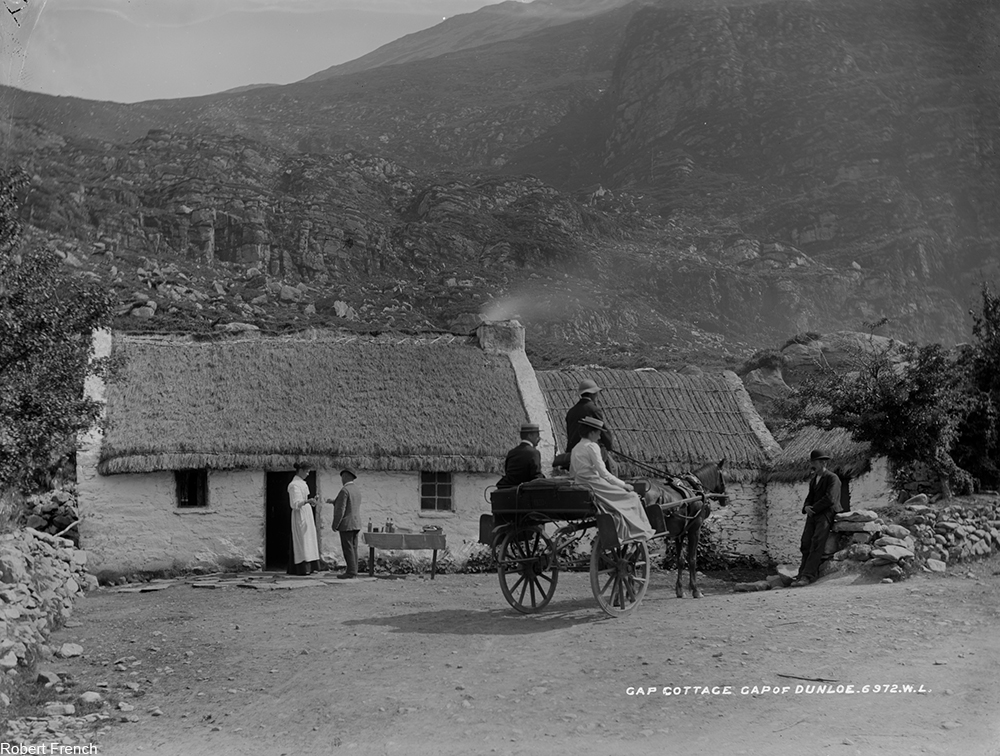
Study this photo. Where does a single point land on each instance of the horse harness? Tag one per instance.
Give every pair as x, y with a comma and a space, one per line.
692, 488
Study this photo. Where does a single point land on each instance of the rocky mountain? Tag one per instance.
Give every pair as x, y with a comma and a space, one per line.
492, 23
652, 183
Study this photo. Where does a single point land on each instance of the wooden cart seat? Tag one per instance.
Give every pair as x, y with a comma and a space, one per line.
557, 499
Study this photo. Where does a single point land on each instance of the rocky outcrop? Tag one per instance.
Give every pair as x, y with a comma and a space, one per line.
737, 174
841, 352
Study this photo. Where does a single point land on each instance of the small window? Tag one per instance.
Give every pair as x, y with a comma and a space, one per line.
435, 492
192, 488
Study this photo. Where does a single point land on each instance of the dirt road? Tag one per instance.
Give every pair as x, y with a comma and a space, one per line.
417, 666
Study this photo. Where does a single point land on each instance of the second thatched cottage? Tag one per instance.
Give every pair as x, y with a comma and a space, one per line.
191, 462
675, 422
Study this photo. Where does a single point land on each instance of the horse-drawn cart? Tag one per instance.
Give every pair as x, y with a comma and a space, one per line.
534, 530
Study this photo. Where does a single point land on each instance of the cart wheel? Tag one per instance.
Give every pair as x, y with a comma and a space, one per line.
528, 569
619, 576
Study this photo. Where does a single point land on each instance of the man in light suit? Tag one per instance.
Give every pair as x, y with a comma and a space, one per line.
347, 520
523, 462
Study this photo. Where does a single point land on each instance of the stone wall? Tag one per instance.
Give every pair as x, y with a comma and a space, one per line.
919, 536
40, 577
739, 527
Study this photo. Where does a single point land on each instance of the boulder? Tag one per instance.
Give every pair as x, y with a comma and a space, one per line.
759, 585
857, 527
290, 294
838, 351
857, 515
891, 553
896, 531
765, 385
936, 565
69, 650
890, 541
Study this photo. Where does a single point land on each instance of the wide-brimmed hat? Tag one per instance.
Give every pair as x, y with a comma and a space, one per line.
349, 471
817, 454
530, 428
591, 422
587, 386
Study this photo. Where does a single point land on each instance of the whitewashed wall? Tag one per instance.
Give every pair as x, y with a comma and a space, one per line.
739, 527
397, 495
132, 523
873, 489
784, 508
785, 520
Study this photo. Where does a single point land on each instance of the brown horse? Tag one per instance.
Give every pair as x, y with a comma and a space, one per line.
683, 522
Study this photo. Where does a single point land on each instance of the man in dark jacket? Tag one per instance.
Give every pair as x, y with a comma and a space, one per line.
523, 462
587, 407
347, 520
821, 504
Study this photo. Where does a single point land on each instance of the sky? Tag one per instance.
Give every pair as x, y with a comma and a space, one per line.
133, 50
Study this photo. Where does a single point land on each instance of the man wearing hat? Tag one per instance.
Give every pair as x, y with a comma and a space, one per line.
587, 407
523, 462
822, 503
347, 520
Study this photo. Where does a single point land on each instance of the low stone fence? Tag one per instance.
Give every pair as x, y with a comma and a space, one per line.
918, 536
40, 578
901, 539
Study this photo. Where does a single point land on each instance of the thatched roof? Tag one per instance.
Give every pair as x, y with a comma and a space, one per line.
847, 456
375, 403
669, 420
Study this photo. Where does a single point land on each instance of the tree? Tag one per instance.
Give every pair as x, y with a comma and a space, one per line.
47, 316
909, 403
978, 449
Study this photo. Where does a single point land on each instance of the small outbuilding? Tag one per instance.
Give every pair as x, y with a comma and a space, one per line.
865, 482
190, 465
675, 422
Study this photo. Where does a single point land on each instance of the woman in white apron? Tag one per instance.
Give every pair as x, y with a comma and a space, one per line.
304, 558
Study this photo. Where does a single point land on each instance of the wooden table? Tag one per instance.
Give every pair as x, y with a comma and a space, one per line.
404, 541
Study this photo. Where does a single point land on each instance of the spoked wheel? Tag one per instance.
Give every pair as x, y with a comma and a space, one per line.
619, 576
528, 569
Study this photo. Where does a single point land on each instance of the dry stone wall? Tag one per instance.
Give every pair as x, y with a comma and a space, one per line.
920, 536
40, 578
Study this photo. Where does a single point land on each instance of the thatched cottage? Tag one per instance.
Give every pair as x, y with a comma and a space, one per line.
676, 422
865, 482
192, 459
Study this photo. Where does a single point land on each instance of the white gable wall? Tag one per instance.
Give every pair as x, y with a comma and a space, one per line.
784, 508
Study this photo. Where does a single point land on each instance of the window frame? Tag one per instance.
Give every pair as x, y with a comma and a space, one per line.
439, 480
187, 481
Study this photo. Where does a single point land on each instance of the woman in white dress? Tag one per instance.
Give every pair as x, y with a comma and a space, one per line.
614, 496
305, 546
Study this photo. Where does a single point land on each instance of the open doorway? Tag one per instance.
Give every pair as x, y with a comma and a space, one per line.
278, 518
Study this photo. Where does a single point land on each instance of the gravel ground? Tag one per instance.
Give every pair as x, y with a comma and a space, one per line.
272, 665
